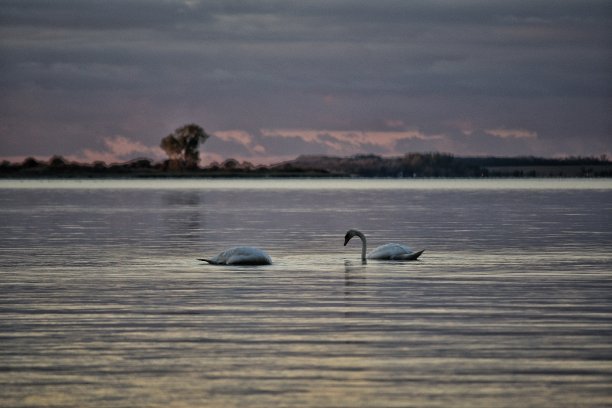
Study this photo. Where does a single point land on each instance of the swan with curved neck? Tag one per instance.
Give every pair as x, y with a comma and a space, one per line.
389, 252
240, 256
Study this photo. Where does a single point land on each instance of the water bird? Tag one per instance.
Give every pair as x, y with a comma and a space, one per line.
240, 256
388, 252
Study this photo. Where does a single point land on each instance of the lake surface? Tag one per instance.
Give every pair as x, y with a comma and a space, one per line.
103, 304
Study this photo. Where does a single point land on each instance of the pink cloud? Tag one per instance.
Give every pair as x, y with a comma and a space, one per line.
239, 136
464, 126
122, 146
512, 133
118, 149
347, 141
259, 149
90, 156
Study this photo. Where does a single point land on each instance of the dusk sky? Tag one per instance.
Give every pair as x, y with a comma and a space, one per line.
273, 79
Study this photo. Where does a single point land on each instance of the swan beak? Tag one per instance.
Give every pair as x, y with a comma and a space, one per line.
346, 240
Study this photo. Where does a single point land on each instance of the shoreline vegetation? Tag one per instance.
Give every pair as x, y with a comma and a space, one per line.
182, 149
410, 165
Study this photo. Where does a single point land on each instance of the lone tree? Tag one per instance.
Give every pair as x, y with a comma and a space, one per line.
182, 146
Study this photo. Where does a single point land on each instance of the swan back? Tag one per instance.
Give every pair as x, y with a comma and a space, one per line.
241, 256
391, 251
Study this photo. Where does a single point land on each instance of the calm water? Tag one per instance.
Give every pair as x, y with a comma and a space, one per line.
102, 303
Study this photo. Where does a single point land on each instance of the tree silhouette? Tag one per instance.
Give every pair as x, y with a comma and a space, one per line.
182, 146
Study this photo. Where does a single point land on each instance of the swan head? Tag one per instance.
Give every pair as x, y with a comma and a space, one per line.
350, 234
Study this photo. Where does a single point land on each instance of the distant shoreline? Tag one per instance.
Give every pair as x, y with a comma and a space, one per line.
411, 165
162, 175
145, 176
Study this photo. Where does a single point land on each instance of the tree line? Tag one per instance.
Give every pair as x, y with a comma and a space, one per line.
182, 149
446, 165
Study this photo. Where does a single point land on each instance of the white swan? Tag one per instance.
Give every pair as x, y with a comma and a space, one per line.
240, 256
390, 252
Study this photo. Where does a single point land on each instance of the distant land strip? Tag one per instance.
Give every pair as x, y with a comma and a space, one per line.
410, 165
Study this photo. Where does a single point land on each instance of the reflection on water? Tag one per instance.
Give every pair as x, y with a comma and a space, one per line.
184, 216
103, 302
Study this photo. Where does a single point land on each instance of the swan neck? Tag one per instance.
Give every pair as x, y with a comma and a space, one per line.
363, 245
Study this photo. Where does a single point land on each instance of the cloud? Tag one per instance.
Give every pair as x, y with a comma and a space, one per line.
118, 149
349, 141
122, 146
237, 144
512, 133
74, 72
239, 136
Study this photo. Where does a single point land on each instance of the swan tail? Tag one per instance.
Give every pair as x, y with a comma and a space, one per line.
413, 256
206, 260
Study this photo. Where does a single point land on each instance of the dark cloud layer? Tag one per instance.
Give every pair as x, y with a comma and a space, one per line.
76, 74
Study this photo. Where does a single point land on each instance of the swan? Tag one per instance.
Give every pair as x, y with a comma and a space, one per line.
240, 256
390, 252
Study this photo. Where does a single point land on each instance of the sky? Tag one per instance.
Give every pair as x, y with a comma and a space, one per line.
270, 80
